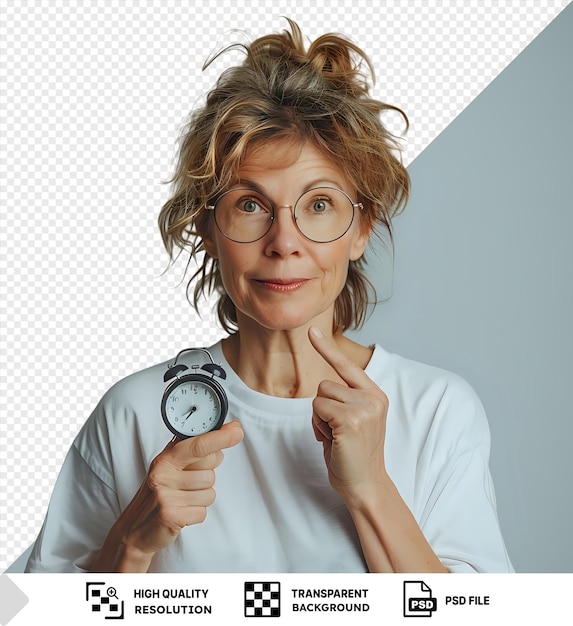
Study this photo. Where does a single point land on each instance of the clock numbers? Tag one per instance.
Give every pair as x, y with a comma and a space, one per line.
194, 404
193, 407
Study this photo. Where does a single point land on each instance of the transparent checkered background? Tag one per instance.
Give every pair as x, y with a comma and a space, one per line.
93, 96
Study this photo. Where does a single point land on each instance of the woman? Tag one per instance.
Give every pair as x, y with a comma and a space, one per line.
337, 456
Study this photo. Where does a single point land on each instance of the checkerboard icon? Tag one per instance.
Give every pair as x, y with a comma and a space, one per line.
262, 599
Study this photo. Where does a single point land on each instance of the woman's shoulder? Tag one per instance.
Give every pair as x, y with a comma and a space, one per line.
134, 399
128, 416
423, 389
138, 383
149, 383
391, 365
128, 408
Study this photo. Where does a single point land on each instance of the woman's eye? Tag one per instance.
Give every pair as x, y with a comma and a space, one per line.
250, 206
321, 205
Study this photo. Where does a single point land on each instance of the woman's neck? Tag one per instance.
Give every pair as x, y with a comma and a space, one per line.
284, 363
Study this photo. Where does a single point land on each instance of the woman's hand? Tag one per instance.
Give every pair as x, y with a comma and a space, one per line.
349, 419
176, 493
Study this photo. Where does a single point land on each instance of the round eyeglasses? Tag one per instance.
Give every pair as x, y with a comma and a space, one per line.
321, 214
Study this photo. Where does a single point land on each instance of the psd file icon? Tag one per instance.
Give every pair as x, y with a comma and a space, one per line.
418, 600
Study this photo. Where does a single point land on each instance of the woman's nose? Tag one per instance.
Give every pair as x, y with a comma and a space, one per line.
283, 237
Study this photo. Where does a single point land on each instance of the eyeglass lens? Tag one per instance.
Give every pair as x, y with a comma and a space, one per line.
321, 214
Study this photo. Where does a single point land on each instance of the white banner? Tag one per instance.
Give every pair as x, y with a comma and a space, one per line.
289, 598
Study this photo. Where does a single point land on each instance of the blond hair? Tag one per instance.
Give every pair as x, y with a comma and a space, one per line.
283, 91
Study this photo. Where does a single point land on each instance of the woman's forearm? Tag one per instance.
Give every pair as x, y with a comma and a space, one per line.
119, 555
389, 534
116, 556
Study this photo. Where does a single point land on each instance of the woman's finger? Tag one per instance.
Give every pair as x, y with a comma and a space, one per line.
351, 374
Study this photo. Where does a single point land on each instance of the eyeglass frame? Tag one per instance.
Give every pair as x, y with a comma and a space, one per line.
292, 207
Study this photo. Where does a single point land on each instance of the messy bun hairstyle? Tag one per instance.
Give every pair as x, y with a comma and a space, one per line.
282, 91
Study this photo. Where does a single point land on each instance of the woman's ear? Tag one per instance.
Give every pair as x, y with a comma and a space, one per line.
359, 242
210, 245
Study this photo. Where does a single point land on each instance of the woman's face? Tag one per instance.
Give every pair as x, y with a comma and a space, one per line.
284, 281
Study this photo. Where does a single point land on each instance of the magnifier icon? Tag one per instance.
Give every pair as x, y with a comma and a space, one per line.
112, 593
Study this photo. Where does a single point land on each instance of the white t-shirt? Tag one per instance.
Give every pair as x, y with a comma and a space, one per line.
275, 510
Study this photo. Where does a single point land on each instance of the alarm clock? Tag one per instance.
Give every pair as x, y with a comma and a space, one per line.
194, 402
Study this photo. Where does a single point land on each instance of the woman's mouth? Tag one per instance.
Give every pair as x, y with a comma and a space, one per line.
281, 285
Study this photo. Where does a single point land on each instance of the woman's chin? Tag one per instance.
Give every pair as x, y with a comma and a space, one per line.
285, 324
281, 320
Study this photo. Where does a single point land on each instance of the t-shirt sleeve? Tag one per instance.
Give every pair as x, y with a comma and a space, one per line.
101, 473
86, 500
82, 509
455, 495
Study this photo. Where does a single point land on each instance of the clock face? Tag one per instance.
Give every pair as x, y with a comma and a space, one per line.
192, 407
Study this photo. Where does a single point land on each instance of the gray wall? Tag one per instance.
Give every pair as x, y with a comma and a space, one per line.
482, 284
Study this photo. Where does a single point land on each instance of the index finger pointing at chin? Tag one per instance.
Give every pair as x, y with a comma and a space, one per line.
351, 374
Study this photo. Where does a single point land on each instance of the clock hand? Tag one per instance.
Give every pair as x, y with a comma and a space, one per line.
193, 409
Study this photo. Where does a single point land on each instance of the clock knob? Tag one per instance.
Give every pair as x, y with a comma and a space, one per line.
174, 371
